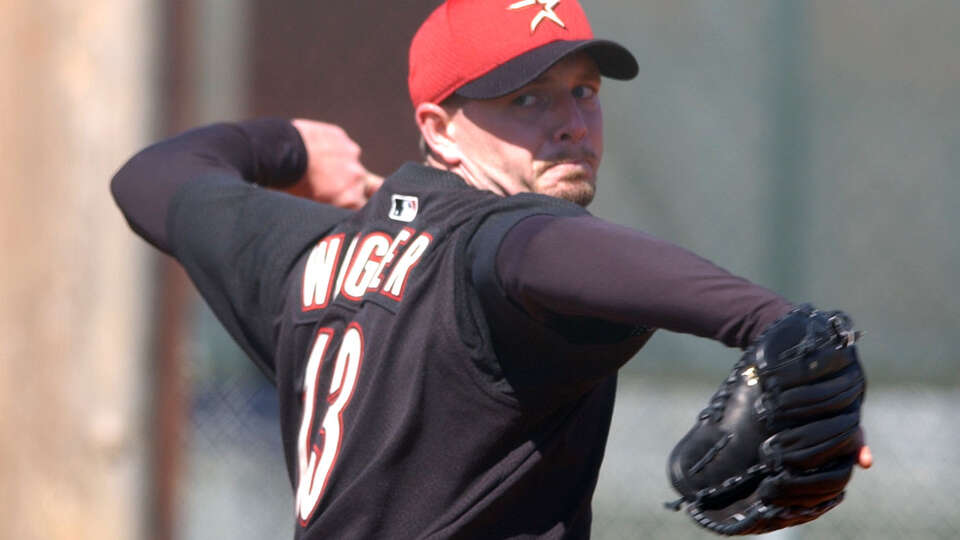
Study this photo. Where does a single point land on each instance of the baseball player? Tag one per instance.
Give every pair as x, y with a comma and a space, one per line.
444, 342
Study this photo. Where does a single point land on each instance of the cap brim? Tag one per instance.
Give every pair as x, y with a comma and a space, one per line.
613, 59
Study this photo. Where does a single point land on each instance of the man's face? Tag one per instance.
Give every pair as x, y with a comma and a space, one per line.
546, 137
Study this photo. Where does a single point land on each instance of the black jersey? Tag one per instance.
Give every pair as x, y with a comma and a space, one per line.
428, 389
399, 420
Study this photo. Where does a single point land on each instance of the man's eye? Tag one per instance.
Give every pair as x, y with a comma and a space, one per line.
525, 100
584, 92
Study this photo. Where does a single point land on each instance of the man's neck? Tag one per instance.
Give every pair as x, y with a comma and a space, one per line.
464, 175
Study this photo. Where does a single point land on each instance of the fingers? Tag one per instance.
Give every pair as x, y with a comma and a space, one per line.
864, 455
865, 458
372, 184
358, 191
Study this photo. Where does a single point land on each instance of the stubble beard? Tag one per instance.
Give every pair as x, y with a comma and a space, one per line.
576, 184
578, 190
578, 187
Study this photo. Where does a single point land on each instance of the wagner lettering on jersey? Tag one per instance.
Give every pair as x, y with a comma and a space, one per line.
374, 262
318, 272
404, 208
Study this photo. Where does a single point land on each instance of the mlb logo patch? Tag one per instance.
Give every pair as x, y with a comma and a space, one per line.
404, 208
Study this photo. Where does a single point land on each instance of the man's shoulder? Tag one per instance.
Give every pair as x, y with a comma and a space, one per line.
443, 193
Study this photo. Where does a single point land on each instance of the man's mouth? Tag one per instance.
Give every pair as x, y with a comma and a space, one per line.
577, 166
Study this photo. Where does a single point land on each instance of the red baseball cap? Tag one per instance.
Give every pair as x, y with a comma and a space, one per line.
482, 49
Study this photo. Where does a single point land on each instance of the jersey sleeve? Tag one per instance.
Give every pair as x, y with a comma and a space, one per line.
198, 197
599, 284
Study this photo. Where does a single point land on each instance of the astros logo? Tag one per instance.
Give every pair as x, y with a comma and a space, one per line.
545, 13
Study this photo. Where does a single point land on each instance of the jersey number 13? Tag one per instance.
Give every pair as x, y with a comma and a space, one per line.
316, 462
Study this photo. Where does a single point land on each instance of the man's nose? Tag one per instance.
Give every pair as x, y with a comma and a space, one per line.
571, 126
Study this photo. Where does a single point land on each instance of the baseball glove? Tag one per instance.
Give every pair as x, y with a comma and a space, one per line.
777, 444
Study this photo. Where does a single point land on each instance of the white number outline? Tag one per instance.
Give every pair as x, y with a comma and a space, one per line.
314, 463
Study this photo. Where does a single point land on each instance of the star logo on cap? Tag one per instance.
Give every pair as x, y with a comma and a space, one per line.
545, 13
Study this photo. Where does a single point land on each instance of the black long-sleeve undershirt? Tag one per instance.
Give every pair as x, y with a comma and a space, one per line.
266, 151
587, 267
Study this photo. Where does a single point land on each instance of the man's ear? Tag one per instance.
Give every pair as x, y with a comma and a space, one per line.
438, 134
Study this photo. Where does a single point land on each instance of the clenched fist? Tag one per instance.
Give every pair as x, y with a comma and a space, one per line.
334, 172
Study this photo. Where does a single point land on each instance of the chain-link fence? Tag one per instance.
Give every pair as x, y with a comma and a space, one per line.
235, 481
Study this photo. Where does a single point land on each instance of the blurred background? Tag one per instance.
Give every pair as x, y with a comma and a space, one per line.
811, 146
